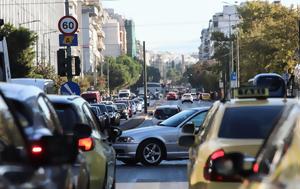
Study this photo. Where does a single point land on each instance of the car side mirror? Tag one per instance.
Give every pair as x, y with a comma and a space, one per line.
82, 130
231, 167
186, 140
188, 128
54, 150
114, 133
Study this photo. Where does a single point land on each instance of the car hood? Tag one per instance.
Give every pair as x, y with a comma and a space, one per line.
151, 130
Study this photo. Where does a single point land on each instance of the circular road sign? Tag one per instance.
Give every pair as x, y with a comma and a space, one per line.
68, 25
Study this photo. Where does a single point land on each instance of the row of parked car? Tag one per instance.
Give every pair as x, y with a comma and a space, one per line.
51, 141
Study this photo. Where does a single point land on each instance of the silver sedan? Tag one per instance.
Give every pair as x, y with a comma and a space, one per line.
150, 145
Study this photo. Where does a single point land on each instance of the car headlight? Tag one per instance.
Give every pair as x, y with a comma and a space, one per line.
126, 139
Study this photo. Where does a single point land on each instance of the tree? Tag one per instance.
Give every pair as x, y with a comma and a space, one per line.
268, 38
20, 43
173, 75
200, 76
123, 71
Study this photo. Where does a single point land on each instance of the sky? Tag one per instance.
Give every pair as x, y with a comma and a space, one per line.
171, 25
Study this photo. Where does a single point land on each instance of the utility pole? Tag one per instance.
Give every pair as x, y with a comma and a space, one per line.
108, 90
145, 78
49, 51
69, 52
238, 60
228, 91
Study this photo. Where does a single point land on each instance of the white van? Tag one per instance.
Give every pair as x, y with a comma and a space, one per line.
124, 94
47, 85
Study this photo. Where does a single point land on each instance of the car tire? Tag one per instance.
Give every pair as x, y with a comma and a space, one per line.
151, 152
129, 161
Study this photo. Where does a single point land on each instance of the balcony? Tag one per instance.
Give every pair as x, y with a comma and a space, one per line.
91, 10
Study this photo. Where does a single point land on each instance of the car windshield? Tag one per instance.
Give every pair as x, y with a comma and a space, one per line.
177, 119
101, 106
253, 122
165, 113
120, 106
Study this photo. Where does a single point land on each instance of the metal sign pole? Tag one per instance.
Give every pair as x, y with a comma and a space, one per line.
69, 52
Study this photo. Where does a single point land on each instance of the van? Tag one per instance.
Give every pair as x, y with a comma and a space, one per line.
46, 85
92, 96
124, 94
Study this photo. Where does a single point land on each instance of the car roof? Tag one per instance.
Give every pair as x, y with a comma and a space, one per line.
257, 102
20, 92
65, 99
167, 106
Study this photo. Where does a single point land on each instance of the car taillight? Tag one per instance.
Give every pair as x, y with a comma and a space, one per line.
86, 144
36, 149
208, 166
255, 167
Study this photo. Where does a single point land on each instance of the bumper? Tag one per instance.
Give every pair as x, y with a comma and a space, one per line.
216, 185
125, 150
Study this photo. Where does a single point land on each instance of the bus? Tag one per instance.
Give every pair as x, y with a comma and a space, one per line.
152, 88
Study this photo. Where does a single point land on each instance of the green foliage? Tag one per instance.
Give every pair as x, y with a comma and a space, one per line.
174, 75
268, 38
200, 76
153, 74
20, 43
123, 71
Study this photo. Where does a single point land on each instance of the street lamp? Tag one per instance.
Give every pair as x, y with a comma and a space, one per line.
44, 48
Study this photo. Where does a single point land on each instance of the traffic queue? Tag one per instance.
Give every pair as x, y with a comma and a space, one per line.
53, 141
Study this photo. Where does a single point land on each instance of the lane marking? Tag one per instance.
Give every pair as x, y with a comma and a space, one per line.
152, 185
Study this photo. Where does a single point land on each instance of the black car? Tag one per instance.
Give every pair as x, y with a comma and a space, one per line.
123, 111
114, 114
104, 112
32, 140
101, 117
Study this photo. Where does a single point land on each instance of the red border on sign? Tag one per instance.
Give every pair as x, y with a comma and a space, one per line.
60, 20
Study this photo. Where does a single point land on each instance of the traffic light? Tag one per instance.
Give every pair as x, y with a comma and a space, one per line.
61, 62
67, 66
1, 24
77, 66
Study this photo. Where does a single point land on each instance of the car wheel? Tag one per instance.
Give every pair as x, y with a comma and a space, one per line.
129, 161
150, 153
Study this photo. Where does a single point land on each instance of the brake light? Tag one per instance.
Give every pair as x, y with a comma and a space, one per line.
208, 169
255, 167
86, 144
36, 149
217, 154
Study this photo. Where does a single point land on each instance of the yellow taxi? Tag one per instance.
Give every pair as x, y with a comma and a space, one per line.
277, 164
205, 96
236, 125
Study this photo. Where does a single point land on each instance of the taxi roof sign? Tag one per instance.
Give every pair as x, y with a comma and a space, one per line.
251, 92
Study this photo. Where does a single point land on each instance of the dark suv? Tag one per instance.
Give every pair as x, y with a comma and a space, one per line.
28, 146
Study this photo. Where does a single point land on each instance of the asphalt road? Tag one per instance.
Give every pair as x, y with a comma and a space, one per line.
169, 174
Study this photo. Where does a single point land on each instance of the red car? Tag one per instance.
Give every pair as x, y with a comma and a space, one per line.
172, 96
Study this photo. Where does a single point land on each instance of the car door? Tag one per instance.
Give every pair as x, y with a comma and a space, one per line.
197, 120
102, 141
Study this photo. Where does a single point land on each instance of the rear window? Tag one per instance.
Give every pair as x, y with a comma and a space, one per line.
109, 108
67, 117
249, 122
165, 113
121, 95
273, 83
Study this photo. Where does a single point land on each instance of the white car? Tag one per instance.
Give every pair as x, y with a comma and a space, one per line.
187, 97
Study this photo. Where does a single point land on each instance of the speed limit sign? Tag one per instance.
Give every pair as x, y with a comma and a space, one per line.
68, 25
